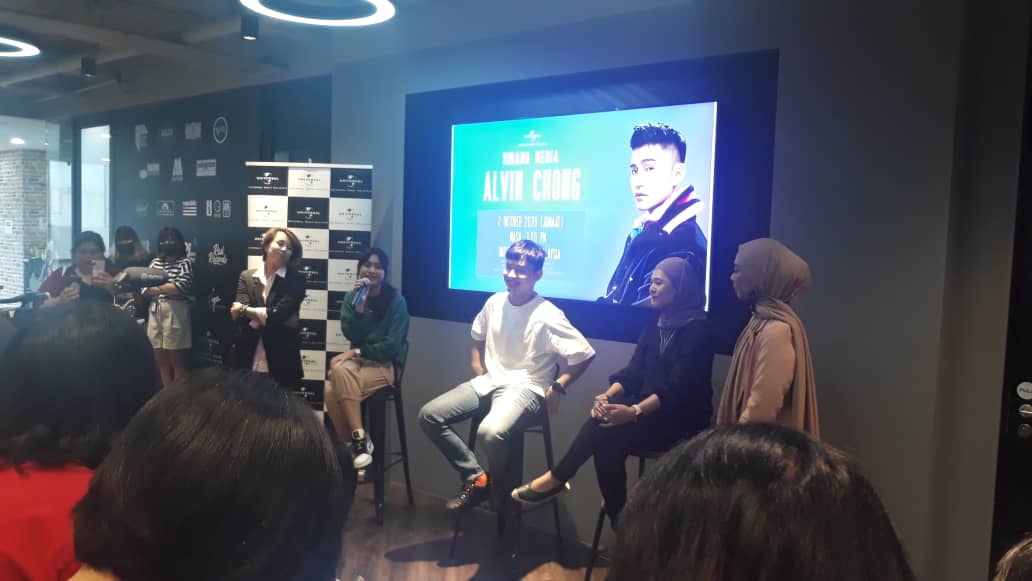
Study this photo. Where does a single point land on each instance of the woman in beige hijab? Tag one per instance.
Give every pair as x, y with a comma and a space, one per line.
771, 375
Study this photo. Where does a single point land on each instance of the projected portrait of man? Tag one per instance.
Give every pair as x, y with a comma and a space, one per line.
667, 226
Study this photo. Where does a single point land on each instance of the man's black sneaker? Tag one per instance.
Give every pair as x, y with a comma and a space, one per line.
469, 496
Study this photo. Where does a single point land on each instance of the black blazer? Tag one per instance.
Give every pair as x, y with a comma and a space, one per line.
280, 334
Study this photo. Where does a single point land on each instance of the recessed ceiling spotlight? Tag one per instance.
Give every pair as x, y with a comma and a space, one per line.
320, 16
249, 26
17, 141
21, 49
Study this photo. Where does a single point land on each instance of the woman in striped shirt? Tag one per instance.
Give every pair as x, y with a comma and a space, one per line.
169, 324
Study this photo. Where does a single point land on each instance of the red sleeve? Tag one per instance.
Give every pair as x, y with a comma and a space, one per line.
53, 284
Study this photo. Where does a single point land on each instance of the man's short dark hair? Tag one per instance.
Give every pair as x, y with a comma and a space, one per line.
756, 501
72, 379
659, 134
221, 476
529, 251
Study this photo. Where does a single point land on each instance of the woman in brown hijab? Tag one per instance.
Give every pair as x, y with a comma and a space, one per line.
771, 375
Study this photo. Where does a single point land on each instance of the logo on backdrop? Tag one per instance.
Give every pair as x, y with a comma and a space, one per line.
167, 134
192, 131
205, 168
189, 208
142, 208
217, 256
220, 130
351, 213
141, 137
191, 250
351, 182
150, 170
531, 139
166, 208
267, 178
214, 300
177, 169
345, 244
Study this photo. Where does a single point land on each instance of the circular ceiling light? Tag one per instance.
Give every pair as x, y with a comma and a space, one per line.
321, 13
17, 141
21, 49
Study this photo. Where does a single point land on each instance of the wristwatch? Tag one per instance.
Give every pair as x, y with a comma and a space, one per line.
558, 387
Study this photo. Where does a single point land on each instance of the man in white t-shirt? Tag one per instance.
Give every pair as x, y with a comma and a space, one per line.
518, 339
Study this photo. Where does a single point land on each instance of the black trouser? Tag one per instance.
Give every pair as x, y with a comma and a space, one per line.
610, 447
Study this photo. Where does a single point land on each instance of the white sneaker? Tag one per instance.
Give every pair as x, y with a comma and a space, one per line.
362, 453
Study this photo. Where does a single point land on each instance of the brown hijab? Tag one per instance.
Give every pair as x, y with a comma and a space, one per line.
776, 276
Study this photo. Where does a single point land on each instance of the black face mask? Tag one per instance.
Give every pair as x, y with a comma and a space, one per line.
168, 248
125, 249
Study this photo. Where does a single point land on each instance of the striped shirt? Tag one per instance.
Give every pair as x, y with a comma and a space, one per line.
180, 273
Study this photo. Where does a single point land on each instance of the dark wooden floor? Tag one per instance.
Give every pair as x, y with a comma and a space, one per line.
412, 545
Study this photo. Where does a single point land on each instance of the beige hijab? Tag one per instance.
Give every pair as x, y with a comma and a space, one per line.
776, 276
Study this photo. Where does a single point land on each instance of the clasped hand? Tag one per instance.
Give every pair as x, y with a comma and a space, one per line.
611, 414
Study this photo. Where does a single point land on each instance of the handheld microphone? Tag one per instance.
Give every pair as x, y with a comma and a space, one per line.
361, 292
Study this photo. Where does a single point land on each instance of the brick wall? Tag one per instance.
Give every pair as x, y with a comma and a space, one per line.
24, 213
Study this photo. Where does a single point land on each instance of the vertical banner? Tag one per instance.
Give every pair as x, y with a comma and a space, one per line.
329, 207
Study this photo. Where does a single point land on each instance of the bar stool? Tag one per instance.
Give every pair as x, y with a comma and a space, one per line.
642, 456
374, 408
511, 478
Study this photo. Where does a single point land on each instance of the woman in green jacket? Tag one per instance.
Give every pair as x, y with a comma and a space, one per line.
374, 318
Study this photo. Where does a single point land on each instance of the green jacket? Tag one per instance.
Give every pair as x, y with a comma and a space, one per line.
383, 340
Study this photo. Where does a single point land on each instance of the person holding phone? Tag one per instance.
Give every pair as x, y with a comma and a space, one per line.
661, 396
89, 277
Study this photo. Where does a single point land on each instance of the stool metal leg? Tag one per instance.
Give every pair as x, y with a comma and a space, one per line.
594, 541
377, 410
546, 432
399, 411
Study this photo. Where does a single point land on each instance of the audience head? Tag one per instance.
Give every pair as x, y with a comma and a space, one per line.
87, 247
1016, 564
171, 243
766, 269
756, 502
283, 244
128, 248
72, 380
222, 476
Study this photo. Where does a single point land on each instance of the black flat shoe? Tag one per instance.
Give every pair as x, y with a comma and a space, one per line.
524, 494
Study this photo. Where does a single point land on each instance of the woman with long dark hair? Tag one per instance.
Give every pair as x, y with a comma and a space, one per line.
129, 252
375, 319
266, 311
